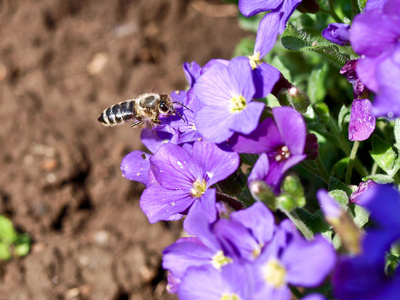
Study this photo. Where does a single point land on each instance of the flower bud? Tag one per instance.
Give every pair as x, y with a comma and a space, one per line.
295, 98
311, 148
263, 193
308, 6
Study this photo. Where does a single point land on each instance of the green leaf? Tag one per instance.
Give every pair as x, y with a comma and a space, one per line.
22, 244
316, 88
316, 222
344, 116
384, 155
312, 40
335, 184
341, 197
361, 4
397, 133
7, 232
361, 216
380, 178
340, 167
5, 253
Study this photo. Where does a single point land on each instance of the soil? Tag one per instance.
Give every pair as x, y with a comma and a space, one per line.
61, 63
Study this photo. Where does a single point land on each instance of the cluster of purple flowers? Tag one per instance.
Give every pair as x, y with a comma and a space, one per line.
248, 253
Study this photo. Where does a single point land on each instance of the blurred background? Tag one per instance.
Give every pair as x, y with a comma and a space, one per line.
61, 63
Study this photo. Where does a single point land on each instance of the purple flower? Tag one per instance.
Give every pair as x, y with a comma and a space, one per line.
349, 72
192, 72
264, 75
285, 8
361, 189
363, 276
226, 93
338, 33
233, 282
283, 142
247, 232
375, 36
362, 121
183, 181
203, 250
290, 259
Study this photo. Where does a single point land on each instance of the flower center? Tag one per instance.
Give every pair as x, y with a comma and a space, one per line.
238, 103
199, 187
219, 260
274, 273
282, 153
255, 60
232, 296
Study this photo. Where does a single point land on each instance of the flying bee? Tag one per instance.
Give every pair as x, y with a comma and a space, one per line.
144, 110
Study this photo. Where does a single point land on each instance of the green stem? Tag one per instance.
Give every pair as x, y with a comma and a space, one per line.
352, 158
328, 12
343, 144
294, 217
322, 170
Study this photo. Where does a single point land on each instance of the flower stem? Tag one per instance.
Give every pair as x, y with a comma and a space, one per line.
342, 142
352, 158
331, 12
322, 170
294, 217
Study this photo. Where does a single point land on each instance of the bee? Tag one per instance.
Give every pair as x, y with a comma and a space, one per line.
144, 110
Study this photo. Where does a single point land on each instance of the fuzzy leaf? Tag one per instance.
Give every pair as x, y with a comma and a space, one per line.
384, 155
312, 40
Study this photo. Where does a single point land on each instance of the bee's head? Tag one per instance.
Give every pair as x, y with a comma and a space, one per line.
166, 107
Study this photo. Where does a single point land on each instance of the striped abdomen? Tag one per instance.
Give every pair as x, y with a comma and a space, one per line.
118, 113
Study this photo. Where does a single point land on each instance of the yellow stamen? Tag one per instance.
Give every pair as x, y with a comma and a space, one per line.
238, 103
199, 187
219, 260
232, 296
274, 273
254, 60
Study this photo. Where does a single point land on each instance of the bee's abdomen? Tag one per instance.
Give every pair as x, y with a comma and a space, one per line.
118, 114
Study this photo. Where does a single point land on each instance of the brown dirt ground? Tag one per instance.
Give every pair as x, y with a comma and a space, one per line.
61, 63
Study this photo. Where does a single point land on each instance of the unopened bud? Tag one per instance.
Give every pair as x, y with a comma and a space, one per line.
295, 98
287, 202
262, 192
312, 147
308, 6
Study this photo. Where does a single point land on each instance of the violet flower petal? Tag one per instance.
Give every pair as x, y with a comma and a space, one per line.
267, 33
252, 7
135, 166
159, 203
362, 122
174, 168
258, 219
217, 164
338, 33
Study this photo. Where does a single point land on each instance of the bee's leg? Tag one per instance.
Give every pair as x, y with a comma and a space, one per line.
156, 120
136, 123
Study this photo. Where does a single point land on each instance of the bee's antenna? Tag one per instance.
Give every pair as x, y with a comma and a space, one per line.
175, 111
181, 104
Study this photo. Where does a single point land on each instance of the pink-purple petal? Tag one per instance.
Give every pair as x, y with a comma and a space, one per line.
216, 163
252, 7
362, 121
213, 123
309, 262
291, 127
159, 203
135, 166
174, 168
